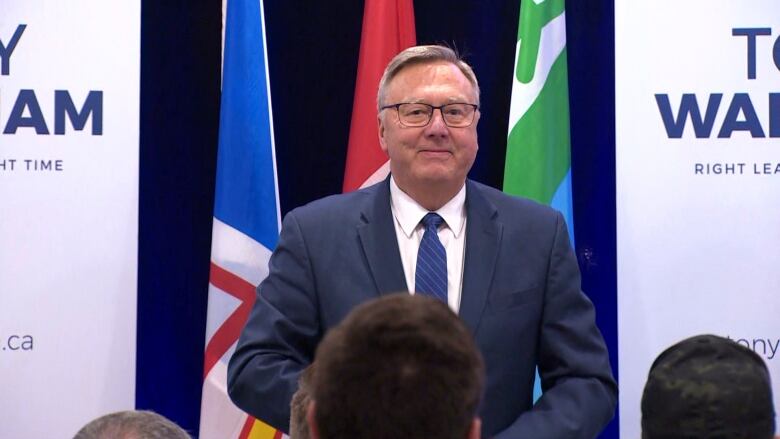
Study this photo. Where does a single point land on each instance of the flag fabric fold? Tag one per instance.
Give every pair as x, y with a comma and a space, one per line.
246, 215
388, 28
538, 157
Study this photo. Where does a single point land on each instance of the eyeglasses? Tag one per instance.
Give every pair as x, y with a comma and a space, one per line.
456, 115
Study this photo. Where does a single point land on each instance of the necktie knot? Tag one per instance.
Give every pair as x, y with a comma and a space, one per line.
432, 220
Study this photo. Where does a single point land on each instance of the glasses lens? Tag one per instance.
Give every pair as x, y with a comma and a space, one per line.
458, 115
415, 115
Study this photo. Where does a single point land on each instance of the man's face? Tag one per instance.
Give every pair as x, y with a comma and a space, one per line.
433, 157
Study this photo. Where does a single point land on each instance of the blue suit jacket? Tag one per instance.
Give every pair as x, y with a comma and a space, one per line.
521, 298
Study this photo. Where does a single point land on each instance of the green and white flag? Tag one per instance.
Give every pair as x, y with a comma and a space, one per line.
538, 156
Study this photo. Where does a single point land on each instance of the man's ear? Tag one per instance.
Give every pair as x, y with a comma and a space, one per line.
380, 128
310, 415
475, 431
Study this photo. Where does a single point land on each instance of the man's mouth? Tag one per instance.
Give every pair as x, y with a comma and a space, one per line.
434, 153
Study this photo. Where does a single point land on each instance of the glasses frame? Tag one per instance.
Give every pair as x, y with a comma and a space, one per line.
430, 116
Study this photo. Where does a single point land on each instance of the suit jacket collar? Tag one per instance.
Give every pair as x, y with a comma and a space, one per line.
483, 238
380, 245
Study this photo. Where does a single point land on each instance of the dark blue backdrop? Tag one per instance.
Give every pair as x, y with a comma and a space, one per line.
312, 55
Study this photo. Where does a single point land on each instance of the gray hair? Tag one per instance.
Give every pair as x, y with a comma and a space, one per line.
132, 424
424, 55
299, 405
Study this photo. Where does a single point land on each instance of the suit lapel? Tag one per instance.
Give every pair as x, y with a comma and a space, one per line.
483, 239
380, 245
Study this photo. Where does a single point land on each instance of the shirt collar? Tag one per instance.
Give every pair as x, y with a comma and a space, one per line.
408, 213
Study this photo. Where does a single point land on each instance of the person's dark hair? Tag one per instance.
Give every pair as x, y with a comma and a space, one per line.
299, 405
401, 366
708, 387
423, 55
132, 424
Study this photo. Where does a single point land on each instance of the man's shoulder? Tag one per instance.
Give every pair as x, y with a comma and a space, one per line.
338, 207
513, 206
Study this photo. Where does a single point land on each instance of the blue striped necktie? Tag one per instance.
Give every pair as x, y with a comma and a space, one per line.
430, 276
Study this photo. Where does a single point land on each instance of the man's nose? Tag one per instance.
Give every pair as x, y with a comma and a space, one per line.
437, 127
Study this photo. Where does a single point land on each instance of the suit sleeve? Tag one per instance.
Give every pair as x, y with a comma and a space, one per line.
579, 393
280, 335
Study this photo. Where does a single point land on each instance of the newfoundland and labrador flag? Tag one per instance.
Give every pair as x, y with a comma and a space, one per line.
246, 215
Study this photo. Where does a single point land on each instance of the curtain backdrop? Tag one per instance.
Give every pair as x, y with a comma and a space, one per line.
312, 59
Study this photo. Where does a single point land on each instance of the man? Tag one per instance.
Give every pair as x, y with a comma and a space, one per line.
511, 274
708, 387
300, 405
132, 424
400, 366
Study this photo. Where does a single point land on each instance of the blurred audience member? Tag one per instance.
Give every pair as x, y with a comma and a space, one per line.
708, 387
299, 405
132, 424
401, 366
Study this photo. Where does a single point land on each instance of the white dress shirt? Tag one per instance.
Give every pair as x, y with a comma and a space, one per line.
409, 230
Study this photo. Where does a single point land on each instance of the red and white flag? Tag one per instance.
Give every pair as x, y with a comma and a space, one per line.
388, 28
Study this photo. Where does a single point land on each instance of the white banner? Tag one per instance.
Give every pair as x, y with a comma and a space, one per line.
698, 181
69, 103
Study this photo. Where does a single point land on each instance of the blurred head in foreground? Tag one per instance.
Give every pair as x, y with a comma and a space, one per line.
708, 387
132, 424
299, 429
400, 366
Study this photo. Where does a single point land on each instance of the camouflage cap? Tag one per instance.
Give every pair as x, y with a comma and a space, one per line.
708, 387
